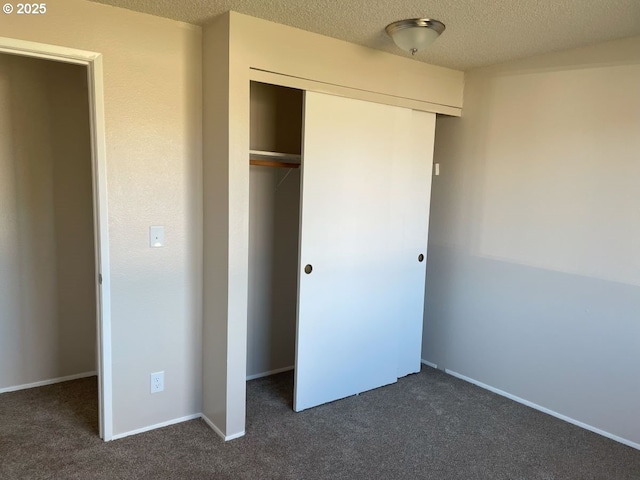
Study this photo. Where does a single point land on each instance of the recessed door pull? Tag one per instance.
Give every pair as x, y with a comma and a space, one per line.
420, 257
308, 269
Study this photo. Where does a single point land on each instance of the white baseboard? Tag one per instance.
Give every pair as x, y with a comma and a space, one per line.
51, 381
213, 426
180, 420
429, 364
271, 372
234, 436
540, 408
157, 425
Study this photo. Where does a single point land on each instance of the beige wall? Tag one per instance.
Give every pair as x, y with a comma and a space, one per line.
533, 284
48, 307
153, 115
342, 68
215, 170
73, 212
28, 274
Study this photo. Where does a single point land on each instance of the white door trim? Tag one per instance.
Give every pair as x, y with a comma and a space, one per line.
93, 62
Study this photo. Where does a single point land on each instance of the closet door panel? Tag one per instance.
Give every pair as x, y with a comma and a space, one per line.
410, 201
347, 341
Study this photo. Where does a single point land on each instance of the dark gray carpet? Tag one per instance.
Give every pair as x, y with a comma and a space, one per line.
427, 426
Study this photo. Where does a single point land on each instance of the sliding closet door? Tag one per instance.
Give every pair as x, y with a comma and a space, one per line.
412, 184
347, 338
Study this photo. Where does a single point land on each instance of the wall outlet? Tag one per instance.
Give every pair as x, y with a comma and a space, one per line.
157, 382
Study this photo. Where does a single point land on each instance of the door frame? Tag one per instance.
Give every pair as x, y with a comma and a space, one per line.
93, 62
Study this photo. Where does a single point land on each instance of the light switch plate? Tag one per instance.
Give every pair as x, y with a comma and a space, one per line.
156, 236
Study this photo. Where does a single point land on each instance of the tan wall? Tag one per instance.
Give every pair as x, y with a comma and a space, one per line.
73, 210
28, 275
299, 54
534, 259
153, 115
215, 170
48, 317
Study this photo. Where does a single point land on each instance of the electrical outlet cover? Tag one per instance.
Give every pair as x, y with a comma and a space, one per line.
157, 382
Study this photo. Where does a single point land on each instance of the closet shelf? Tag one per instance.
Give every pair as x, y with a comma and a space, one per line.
274, 159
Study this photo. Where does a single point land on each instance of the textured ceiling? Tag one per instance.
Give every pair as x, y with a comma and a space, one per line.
479, 32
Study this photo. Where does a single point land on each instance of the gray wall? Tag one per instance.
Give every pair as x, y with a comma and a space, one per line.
533, 283
47, 287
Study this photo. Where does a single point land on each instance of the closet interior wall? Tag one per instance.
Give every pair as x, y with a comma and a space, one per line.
276, 126
47, 259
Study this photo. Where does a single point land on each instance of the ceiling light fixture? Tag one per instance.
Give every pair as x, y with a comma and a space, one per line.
415, 34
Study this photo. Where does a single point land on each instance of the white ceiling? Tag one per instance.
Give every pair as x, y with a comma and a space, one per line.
479, 32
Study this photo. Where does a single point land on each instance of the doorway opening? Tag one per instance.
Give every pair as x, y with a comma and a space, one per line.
274, 225
54, 243
354, 222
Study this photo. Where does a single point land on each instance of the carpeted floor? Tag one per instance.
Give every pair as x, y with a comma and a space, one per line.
427, 426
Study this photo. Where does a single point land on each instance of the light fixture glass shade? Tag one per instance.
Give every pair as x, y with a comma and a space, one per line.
415, 34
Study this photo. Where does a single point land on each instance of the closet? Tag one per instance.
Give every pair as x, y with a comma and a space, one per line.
337, 250
338, 346
274, 209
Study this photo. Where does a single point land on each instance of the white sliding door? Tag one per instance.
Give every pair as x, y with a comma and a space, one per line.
353, 238
412, 184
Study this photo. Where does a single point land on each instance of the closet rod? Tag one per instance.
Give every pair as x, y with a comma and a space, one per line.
271, 163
